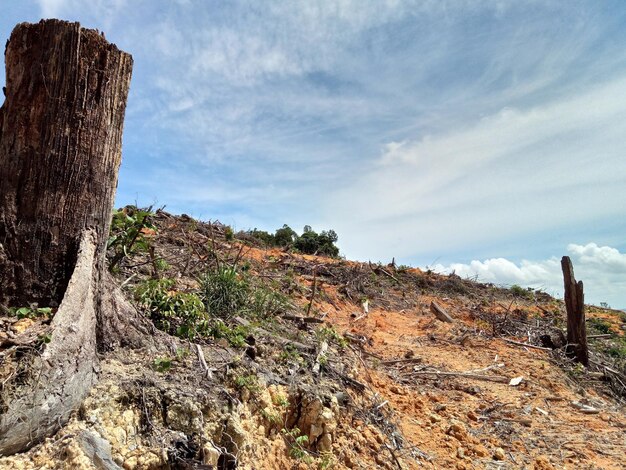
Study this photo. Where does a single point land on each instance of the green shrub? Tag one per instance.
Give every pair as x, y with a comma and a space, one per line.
600, 325
224, 292
518, 291
127, 233
162, 364
178, 313
265, 302
329, 334
236, 336
263, 236
30, 312
618, 352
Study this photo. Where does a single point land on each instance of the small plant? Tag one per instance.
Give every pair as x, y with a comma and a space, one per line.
228, 233
266, 302
577, 370
236, 336
31, 312
181, 354
161, 264
224, 292
617, 352
327, 461
291, 354
44, 339
129, 228
297, 443
281, 400
328, 333
600, 325
249, 382
162, 364
518, 291
178, 313
273, 417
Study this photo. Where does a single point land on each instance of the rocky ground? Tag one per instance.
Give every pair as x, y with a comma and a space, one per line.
350, 369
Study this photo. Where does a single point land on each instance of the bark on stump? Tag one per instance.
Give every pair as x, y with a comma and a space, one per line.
575, 306
60, 151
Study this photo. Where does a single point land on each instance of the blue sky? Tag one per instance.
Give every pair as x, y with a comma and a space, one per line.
485, 137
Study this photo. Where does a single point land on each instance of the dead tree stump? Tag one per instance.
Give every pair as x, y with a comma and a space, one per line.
575, 306
60, 151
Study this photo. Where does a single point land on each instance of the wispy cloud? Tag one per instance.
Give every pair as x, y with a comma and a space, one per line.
100, 12
517, 171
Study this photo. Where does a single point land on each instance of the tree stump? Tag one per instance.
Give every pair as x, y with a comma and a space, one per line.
60, 151
575, 306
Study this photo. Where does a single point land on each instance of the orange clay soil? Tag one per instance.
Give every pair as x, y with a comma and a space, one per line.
464, 423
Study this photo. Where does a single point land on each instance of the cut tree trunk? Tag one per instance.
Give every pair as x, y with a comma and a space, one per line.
575, 306
60, 151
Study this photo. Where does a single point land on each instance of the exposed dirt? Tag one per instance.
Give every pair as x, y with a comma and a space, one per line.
380, 399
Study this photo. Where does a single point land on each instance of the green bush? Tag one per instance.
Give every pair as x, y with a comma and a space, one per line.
236, 336
127, 233
263, 236
518, 291
178, 313
600, 325
224, 292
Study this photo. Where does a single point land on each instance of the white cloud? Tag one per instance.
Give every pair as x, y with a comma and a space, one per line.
601, 268
52, 8
92, 14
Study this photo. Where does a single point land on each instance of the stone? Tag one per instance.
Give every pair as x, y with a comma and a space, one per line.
210, 455
434, 418
499, 454
325, 444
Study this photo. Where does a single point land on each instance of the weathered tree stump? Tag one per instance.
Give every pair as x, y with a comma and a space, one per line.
60, 151
575, 306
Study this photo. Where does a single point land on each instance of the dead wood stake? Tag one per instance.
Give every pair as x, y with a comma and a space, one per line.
575, 305
440, 312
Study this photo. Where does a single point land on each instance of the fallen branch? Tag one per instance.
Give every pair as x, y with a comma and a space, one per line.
393, 454
526, 345
303, 319
203, 363
402, 361
437, 373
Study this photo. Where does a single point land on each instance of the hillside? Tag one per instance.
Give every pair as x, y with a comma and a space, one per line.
265, 358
